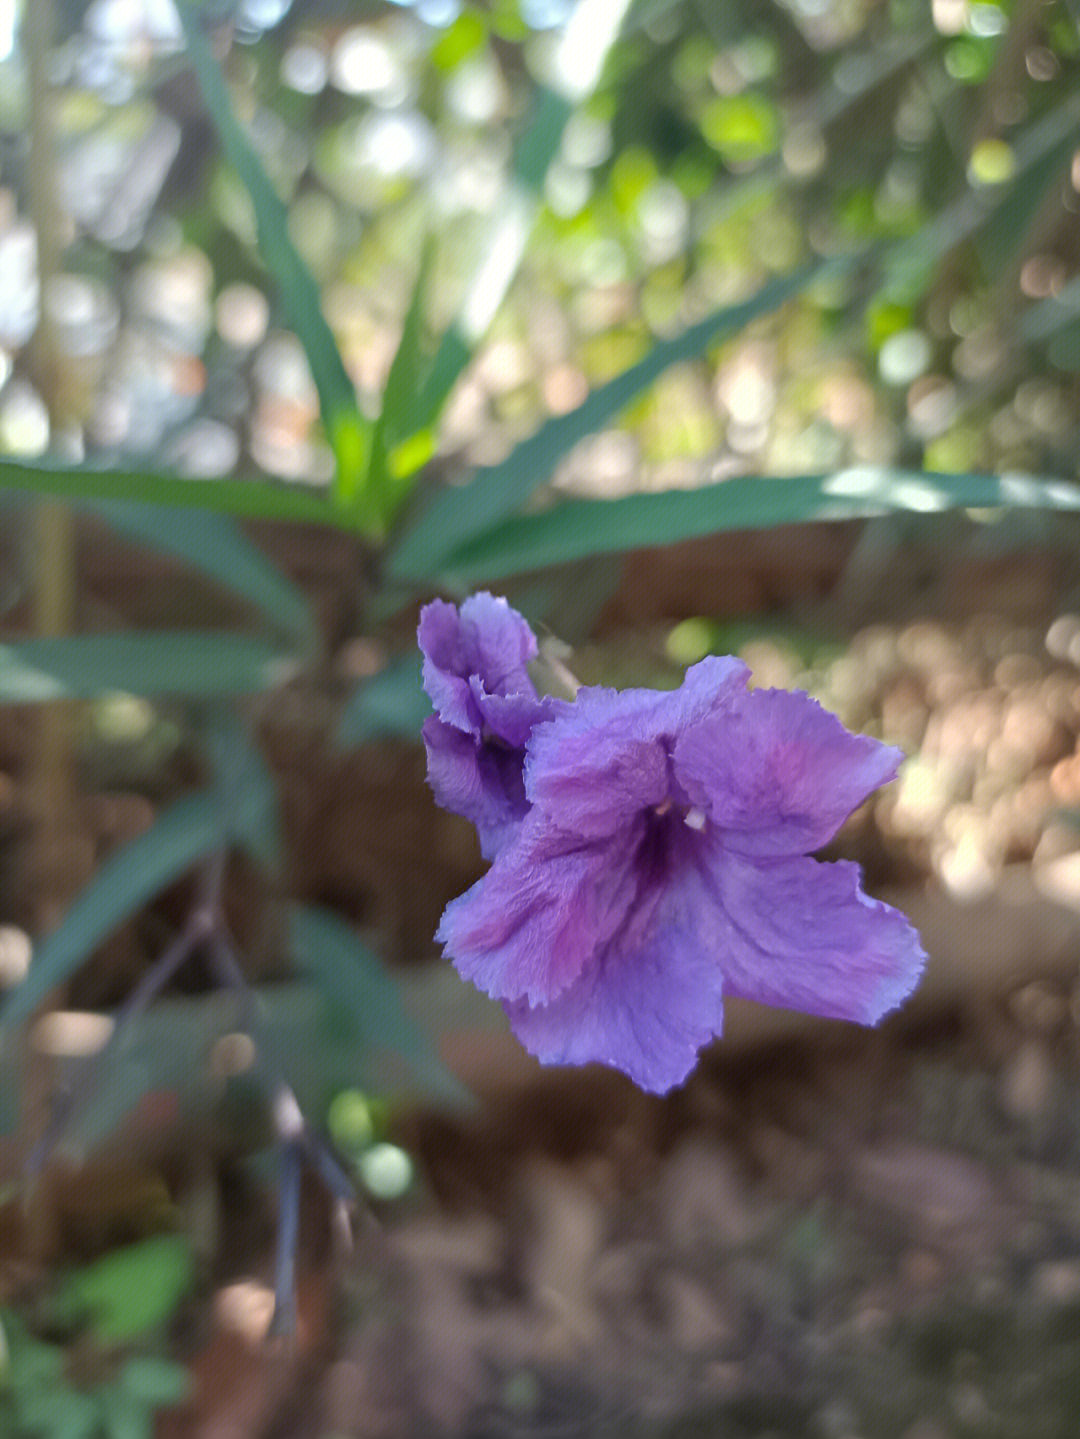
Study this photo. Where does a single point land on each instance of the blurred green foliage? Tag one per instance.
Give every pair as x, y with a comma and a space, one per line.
494, 287
117, 1308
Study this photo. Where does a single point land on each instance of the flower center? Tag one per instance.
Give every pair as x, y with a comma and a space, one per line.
690, 815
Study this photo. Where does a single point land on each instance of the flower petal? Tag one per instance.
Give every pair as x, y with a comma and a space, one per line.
646, 1003
528, 927
480, 782
778, 773
486, 639
607, 757
512, 718
802, 935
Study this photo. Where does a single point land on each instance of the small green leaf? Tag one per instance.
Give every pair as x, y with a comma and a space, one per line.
156, 1381
58, 1411
192, 828
78, 1417
124, 1416
392, 702
129, 1292
184, 662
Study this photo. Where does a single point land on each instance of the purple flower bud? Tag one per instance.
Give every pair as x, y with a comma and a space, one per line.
486, 707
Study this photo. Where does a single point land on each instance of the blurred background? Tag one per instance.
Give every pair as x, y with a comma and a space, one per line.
693, 328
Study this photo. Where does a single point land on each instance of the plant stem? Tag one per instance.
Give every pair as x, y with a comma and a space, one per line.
52, 867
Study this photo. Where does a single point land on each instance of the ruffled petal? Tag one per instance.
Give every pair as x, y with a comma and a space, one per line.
646, 1003
480, 782
526, 930
485, 640
607, 757
512, 718
800, 934
445, 677
779, 774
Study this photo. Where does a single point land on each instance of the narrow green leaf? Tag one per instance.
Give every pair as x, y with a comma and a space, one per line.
1001, 241
153, 662
316, 1040
1049, 317
456, 515
579, 528
255, 498
337, 399
182, 835
353, 979
389, 474
392, 702
501, 253
218, 547
576, 65
910, 263
249, 794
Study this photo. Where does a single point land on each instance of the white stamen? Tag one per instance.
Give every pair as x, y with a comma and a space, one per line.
663, 806
695, 818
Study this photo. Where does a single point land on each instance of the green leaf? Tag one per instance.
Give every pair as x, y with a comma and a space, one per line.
129, 1292
184, 662
353, 979
501, 252
155, 1380
59, 1412
1005, 238
392, 462
1050, 316
910, 263
578, 528
455, 516
344, 424
131, 875
217, 546
250, 498
124, 1416
577, 65
320, 1047
392, 702
249, 794
79, 1417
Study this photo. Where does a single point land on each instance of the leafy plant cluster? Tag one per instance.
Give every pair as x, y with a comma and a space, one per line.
98, 1376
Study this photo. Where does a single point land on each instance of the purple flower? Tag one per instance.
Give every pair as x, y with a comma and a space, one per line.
485, 708
658, 862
